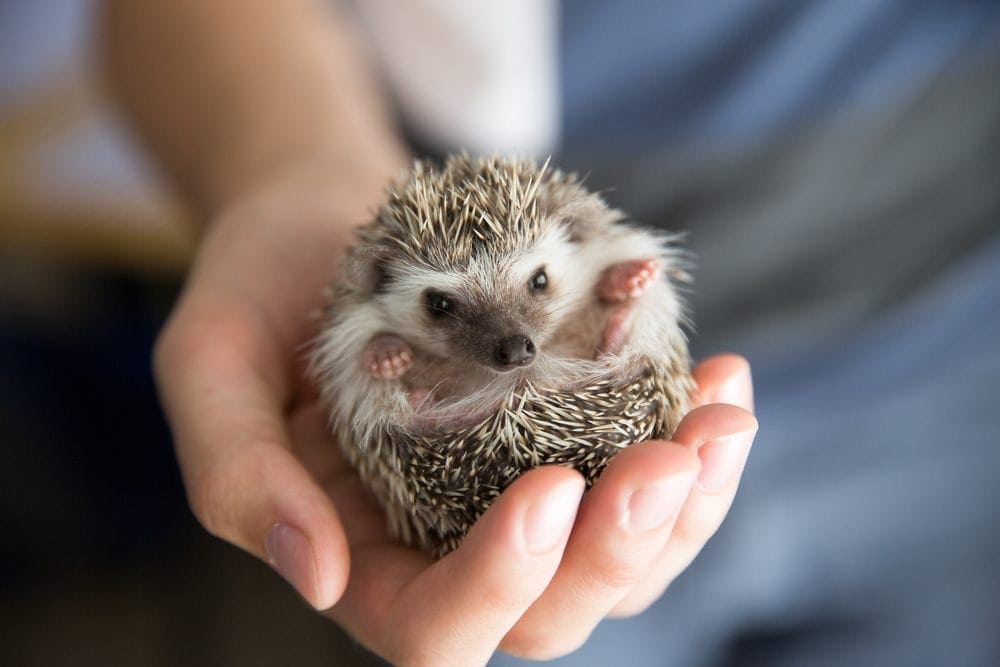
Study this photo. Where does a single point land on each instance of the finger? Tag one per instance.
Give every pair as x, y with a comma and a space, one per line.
622, 527
456, 610
724, 378
243, 482
721, 436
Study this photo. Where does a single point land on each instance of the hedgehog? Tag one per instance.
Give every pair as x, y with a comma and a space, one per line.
495, 316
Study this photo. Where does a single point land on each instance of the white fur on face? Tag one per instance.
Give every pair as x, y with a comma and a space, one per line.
553, 251
403, 308
559, 257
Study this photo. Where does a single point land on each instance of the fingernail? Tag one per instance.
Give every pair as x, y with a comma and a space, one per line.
290, 553
653, 506
547, 523
736, 391
722, 459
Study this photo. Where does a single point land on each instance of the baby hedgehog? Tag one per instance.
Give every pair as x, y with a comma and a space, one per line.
493, 317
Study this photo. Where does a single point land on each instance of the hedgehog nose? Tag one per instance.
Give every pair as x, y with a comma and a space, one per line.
514, 351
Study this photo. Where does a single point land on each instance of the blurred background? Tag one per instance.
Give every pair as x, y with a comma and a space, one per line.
101, 562
846, 216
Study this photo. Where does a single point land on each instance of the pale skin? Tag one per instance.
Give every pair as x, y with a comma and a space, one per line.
266, 117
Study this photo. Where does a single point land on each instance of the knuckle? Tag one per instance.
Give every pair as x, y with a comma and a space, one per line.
164, 348
192, 339
422, 653
406, 644
181, 347
699, 521
616, 570
508, 594
216, 492
533, 643
403, 652
205, 496
636, 603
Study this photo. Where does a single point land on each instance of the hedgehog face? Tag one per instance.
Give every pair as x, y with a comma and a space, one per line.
495, 330
497, 312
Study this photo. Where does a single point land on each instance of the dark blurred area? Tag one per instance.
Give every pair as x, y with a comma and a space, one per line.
101, 562
80, 417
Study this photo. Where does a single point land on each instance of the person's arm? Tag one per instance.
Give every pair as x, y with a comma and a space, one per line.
265, 115
230, 93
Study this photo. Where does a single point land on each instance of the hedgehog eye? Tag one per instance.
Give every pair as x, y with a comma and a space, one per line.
539, 281
438, 304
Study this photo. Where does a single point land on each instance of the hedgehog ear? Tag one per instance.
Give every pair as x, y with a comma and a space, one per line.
377, 274
367, 271
586, 217
381, 277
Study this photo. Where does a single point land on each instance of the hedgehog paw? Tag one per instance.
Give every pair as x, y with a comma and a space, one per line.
388, 357
628, 280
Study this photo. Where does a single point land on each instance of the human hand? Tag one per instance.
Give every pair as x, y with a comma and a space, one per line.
535, 574
539, 570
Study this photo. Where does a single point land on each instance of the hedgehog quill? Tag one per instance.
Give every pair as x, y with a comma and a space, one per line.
493, 317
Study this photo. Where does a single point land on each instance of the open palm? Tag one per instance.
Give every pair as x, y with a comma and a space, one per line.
535, 574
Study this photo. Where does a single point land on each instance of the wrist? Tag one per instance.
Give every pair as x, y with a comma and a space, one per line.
352, 188
278, 245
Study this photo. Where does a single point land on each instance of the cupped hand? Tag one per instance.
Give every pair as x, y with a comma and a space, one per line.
535, 574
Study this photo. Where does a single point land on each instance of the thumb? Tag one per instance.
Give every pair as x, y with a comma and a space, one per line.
243, 482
